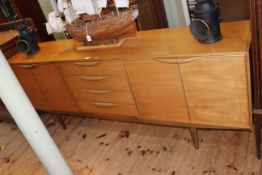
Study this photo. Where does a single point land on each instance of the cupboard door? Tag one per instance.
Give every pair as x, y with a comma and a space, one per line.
54, 88
217, 91
158, 89
30, 86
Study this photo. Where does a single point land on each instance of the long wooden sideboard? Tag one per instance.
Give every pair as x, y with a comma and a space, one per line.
160, 77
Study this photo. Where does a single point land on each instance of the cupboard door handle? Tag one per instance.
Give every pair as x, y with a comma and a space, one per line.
29, 66
94, 78
99, 92
100, 104
169, 61
178, 60
187, 60
87, 64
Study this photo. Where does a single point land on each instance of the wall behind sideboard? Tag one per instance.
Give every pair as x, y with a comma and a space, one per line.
47, 7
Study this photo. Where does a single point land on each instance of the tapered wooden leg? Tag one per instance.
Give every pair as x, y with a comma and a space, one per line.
61, 120
194, 136
258, 122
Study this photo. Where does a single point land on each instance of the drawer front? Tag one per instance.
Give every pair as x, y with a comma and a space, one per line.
93, 68
108, 108
98, 82
113, 96
217, 91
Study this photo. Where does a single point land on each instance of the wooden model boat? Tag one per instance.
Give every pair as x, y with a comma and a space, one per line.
109, 26
86, 22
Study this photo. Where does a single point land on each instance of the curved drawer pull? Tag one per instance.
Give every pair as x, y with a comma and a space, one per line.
28, 66
178, 60
87, 63
100, 104
99, 92
94, 78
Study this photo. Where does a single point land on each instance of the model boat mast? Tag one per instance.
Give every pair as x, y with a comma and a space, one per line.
94, 7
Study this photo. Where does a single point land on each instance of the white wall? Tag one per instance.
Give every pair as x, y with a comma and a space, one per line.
177, 13
47, 7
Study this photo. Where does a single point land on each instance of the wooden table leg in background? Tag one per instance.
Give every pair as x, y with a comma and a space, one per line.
258, 135
61, 121
194, 136
258, 122
257, 114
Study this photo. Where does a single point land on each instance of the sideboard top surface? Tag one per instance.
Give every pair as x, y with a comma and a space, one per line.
174, 42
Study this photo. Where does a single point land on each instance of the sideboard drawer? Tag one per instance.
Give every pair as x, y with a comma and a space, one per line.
93, 68
98, 82
108, 108
113, 96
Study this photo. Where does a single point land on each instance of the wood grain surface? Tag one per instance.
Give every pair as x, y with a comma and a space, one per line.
203, 85
7, 36
31, 87
99, 147
217, 90
158, 89
175, 42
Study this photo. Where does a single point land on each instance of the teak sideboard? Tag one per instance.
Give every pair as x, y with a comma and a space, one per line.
160, 77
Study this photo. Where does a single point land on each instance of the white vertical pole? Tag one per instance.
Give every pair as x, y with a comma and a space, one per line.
186, 12
28, 121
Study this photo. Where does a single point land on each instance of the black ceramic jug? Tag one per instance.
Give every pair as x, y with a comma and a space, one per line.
205, 23
27, 41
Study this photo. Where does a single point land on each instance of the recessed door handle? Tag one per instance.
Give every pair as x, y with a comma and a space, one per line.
94, 78
87, 64
178, 60
28, 66
100, 104
98, 92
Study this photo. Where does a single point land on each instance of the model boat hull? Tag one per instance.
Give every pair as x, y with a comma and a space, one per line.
109, 26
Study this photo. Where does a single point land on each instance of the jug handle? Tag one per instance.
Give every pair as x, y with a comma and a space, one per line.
204, 22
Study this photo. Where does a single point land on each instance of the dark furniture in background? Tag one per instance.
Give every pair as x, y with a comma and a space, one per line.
32, 9
29, 9
234, 10
152, 15
256, 25
9, 36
